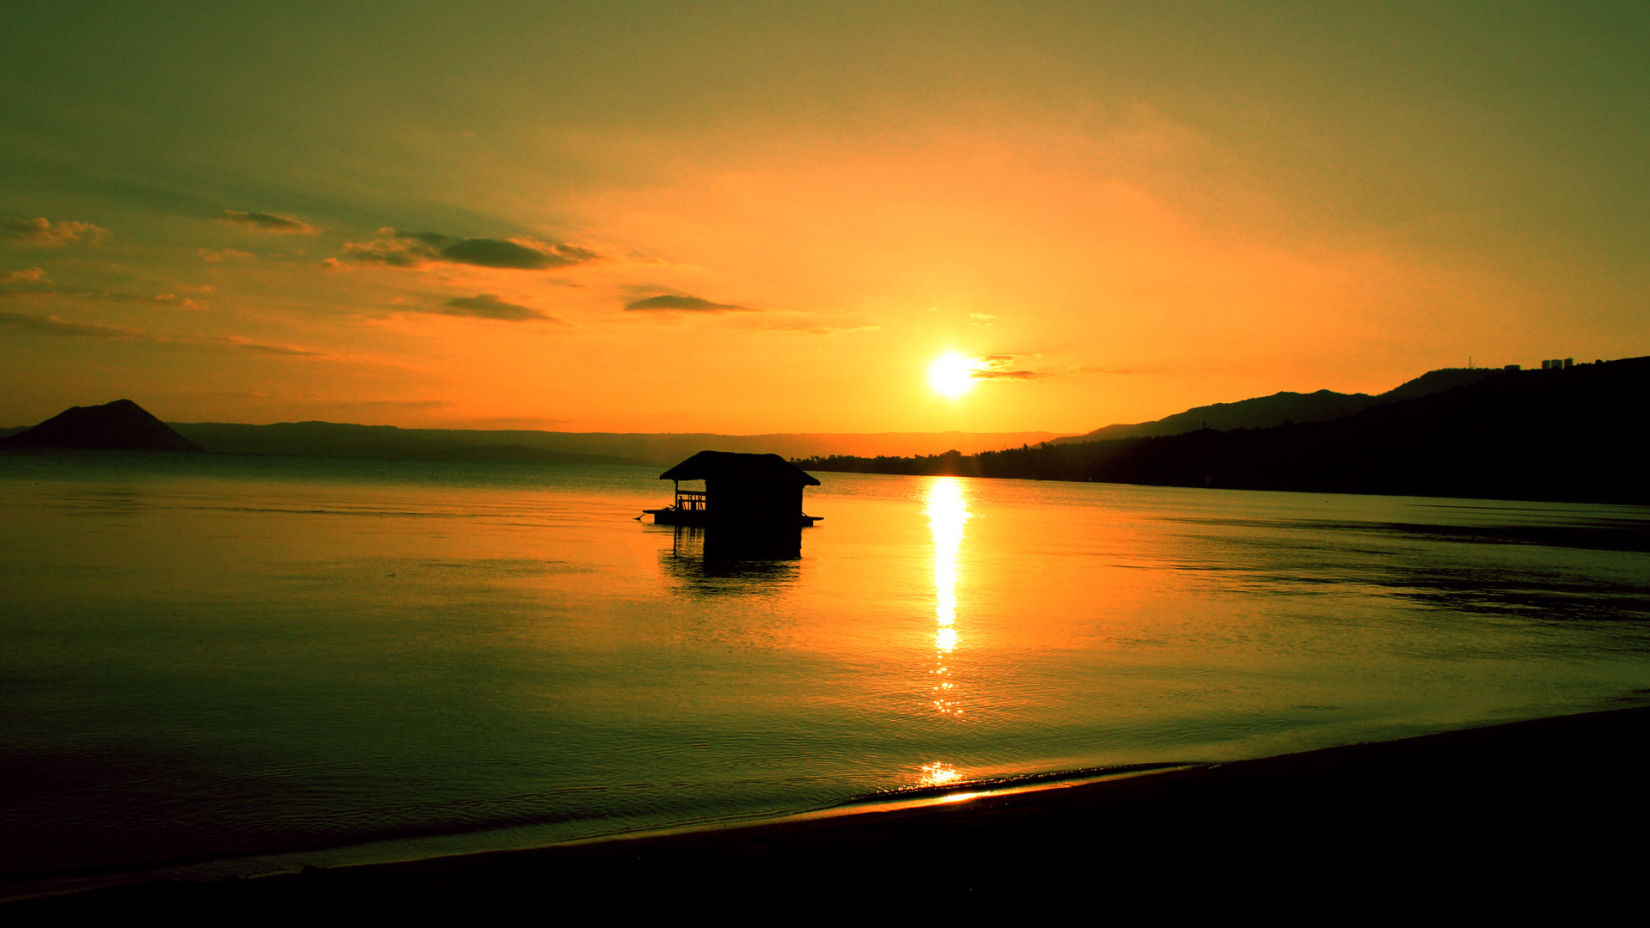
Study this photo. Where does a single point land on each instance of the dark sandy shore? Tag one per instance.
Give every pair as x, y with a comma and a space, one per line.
1542, 814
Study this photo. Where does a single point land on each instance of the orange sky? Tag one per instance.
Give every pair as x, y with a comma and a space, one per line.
744, 220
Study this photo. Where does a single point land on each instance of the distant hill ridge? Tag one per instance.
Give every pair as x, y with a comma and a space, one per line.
315, 438
1264, 412
331, 439
1563, 434
118, 426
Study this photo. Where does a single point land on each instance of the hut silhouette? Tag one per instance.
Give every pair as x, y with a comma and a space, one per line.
751, 505
741, 490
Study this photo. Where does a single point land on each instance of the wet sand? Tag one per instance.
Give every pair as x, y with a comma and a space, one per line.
1552, 812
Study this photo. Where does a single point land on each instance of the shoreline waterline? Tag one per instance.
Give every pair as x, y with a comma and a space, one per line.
517, 839
1366, 795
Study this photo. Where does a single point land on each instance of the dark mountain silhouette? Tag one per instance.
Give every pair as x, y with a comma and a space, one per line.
119, 426
1264, 412
1571, 434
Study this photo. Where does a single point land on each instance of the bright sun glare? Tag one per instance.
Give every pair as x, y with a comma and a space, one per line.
952, 374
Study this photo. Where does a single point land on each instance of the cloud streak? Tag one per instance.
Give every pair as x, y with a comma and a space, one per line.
220, 255
23, 281
681, 302
43, 233
1005, 367
418, 249
35, 282
271, 223
172, 299
489, 306
52, 325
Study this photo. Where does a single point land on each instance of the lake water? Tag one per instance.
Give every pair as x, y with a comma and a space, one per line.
210, 657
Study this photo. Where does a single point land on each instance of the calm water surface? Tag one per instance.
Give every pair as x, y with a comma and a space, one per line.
210, 657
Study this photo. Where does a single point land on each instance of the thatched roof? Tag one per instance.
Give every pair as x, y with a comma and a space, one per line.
740, 468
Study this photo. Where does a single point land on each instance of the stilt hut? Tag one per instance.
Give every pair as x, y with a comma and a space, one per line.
742, 491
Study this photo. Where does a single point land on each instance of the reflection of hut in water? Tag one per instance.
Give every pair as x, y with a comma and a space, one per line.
700, 574
751, 505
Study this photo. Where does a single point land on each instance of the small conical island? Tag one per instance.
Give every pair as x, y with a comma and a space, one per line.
118, 426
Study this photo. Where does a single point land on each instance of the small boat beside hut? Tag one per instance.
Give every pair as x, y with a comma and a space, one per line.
745, 492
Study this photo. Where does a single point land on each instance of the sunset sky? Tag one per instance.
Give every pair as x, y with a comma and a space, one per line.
773, 217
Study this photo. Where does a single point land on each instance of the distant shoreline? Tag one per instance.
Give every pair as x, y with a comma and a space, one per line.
275, 457
1459, 814
525, 446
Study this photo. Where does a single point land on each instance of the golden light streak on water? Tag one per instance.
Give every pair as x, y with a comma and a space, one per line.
945, 639
947, 509
938, 774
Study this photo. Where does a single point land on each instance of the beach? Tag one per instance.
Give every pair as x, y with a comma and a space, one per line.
1545, 811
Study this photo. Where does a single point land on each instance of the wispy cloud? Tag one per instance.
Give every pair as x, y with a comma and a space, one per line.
44, 233
417, 249
402, 404
273, 223
220, 255
315, 400
52, 325
244, 344
23, 281
1005, 367
681, 302
34, 281
812, 326
489, 306
521, 254
172, 299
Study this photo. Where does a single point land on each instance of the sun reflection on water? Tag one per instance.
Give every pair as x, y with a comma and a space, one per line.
947, 510
938, 774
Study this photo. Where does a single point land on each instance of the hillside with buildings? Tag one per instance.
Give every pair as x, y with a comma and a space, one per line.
1567, 431
1264, 412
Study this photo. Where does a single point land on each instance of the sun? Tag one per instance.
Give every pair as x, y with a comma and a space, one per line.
952, 374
